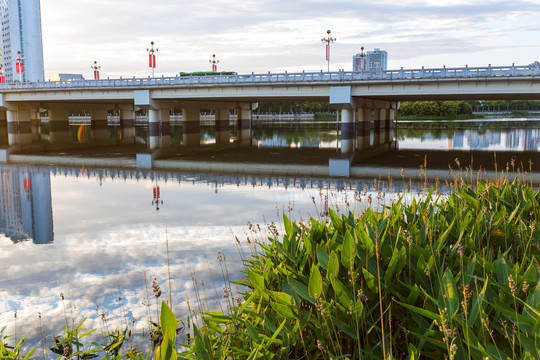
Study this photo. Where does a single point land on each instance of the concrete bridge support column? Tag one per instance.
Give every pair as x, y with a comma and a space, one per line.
58, 125
244, 127
389, 126
153, 129
99, 125
222, 126
19, 127
127, 125
376, 127
191, 127
35, 122
165, 122
3, 129
385, 116
347, 131
363, 128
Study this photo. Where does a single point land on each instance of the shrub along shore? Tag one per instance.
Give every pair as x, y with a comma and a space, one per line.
454, 277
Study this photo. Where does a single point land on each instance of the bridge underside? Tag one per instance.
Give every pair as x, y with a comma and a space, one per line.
360, 104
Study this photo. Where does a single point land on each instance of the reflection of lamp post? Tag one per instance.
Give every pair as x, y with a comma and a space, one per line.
96, 70
214, 62
328, 41
156, 201
152, 57
19, 65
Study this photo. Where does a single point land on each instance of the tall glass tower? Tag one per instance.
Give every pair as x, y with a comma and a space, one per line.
21, 31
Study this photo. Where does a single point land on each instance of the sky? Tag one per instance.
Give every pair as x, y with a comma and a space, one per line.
283, 35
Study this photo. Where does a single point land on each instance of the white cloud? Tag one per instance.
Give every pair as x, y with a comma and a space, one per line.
258, 36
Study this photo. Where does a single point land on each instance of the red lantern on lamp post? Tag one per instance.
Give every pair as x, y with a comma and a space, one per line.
156, 201
19, 65
152, 57
214, 62
2, 76
328, 41
96, 70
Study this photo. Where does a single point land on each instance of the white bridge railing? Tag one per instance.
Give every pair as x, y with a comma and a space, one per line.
339, 76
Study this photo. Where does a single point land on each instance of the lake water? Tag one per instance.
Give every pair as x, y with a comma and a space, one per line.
97, 235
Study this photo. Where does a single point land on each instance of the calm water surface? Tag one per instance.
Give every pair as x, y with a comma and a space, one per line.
96, 235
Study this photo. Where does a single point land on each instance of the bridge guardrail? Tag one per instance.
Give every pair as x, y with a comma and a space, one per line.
402, 74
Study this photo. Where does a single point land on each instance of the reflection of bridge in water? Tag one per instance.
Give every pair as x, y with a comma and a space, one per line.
26, 200
362, 99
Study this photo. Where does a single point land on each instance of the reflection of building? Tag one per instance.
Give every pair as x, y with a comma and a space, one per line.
25, 204
21, 31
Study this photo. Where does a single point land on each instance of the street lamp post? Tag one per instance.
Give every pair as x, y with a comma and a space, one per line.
152, 56
96, 70
19, 65
328, 40
362, 59
214, 62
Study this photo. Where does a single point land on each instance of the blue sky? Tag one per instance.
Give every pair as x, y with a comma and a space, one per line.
260, 36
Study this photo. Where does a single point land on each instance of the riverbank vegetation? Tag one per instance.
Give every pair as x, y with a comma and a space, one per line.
433, 277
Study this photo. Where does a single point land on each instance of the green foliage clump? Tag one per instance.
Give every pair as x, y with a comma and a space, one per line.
453, 278
434, 108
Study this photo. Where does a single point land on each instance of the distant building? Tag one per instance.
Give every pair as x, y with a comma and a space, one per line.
66, 77
375, 60
21, 31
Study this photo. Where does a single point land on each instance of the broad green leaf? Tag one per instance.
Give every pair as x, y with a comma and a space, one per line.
342, 292
477, 305
371, 281
449, 296
333, 266
391, 266
315, 287
322, 257
502, 271
346, 328
429, 314
348, 250
252, 332
283, 310
301, 289
256, 280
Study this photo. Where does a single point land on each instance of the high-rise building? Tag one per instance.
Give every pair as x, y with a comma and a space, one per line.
375, 60
21, 32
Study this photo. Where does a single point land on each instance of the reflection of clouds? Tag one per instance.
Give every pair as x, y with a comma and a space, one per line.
109, 237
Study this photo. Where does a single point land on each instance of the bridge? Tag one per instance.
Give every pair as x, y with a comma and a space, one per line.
361, 97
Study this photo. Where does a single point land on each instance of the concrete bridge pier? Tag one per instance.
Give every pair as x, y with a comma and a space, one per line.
3, 128
99, 125
191, 127
383, 131
243, 132
347, 131
58, 125
223, 130
35, 123
165, 128
389, 127
127, 125
363, 128
153, 129
19, 126
376, 127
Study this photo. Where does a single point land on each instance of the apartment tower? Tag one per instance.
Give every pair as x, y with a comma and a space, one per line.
21, 31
